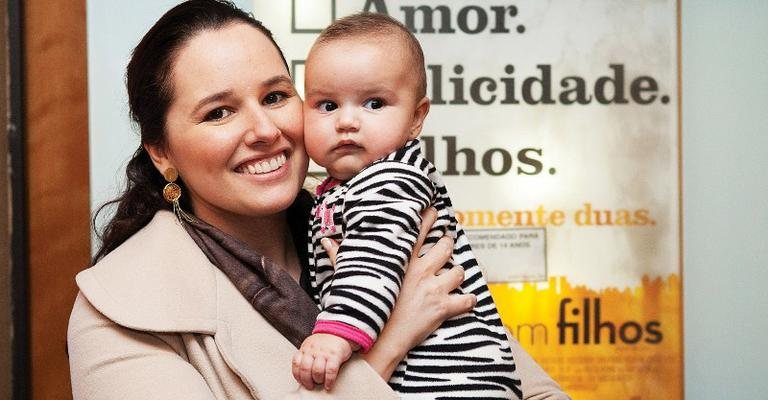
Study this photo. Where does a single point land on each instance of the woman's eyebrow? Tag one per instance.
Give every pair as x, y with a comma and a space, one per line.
278, 79
212, 98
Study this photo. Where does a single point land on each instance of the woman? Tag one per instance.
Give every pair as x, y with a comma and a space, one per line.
208, 305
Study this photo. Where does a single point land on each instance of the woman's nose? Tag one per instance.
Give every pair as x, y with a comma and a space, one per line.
347, 121
261, 129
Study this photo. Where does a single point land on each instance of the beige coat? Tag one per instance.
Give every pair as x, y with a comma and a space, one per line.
156, 320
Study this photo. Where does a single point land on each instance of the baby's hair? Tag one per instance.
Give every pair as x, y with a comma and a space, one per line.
375, 25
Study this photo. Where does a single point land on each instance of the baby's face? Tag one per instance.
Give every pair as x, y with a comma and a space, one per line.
360, 103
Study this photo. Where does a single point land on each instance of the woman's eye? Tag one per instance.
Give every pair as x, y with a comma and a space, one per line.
374, 104
217, 114
327, 106
274, 97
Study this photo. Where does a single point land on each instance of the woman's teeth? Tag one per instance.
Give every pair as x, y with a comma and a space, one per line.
264, 166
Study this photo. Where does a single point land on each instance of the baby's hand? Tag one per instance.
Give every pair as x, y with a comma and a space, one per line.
319, 359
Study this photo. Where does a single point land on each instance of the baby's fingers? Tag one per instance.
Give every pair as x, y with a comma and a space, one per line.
305, 371
332, 366
318, 370
295, 364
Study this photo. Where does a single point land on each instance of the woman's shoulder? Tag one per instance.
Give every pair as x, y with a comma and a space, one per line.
157, 280
153, 249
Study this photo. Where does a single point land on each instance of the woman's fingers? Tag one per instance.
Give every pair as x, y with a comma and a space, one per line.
450, 279
331, 248
459, 304
434, 259
453, 304
428, 218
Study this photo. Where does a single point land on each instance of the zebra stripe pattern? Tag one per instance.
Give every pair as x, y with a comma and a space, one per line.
376, 217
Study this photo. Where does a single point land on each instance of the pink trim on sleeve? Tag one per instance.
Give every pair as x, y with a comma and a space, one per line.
345, 331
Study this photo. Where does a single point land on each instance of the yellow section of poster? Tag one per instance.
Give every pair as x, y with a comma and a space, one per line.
607, 344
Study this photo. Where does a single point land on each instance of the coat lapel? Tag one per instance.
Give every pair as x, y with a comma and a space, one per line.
158, 280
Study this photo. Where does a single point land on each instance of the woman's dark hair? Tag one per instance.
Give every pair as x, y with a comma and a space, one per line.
150, 92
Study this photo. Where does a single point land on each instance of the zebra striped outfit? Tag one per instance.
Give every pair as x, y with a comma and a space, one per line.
377, 214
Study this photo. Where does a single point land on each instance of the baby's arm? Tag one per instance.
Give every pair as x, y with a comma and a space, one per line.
381, 224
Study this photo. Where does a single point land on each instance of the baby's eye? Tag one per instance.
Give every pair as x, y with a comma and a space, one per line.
374, 104
274, 97
217, 114
327, 106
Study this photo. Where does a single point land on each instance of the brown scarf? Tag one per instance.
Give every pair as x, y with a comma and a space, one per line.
266, 285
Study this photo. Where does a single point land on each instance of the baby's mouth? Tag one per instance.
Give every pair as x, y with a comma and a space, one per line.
347, 145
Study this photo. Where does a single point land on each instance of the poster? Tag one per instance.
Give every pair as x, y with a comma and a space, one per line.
555, 126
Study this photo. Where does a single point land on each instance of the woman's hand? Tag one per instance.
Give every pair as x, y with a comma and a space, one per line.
424, 302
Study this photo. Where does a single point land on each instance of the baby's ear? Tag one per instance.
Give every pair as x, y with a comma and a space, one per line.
419, 114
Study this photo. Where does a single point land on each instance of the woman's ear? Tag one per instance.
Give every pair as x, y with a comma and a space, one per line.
422, 108
159, 156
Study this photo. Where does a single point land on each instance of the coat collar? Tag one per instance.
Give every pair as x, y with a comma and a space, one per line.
158, 280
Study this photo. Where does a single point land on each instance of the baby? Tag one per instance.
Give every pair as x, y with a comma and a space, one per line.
364, 107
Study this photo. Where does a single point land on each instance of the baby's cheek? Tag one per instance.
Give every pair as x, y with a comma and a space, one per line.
315, 147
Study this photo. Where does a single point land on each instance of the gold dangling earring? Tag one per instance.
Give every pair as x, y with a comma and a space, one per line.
172, 194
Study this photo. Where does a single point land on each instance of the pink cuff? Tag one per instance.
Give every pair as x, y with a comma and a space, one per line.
345, 331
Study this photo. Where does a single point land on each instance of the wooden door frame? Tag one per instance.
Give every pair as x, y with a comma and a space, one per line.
57, 182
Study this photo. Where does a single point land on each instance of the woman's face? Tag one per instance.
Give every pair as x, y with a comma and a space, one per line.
234, 127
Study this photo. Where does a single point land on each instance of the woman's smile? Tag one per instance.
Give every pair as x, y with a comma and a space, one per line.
261, 166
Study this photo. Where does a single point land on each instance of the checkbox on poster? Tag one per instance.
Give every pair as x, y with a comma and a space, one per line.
311, 16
